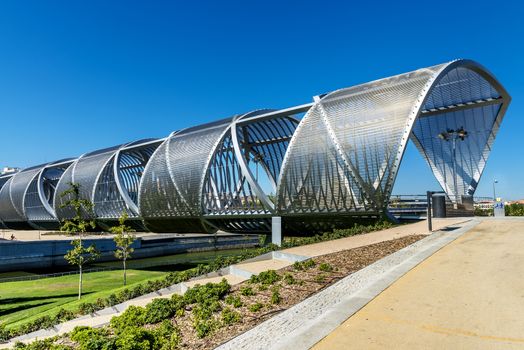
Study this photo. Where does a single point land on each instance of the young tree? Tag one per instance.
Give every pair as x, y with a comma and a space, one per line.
124, 238
78, 225
81, 256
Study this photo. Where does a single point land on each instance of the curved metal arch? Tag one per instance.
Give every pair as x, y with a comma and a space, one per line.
246, 171
8, 211
62, 185
505, 99
369, 170
13, 197
62, 165
85, 171
233, 198
145, 149
179, 162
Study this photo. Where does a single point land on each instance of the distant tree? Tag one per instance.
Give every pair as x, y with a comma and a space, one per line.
78, 225
514, 209
124, 238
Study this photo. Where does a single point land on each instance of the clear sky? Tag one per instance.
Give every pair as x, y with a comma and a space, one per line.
80, 75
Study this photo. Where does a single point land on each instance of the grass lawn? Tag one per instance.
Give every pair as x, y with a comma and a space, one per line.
23, 301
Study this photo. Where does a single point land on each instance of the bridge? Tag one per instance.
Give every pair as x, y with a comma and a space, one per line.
303, 169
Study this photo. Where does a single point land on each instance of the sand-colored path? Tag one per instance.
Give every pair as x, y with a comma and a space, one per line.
469, 295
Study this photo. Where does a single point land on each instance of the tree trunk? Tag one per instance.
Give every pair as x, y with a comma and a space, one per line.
80, 283
125, 277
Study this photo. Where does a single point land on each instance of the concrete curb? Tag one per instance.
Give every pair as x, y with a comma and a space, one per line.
306, 323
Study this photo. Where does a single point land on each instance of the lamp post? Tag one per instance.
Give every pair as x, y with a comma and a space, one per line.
453, 136
257, 159
494, 193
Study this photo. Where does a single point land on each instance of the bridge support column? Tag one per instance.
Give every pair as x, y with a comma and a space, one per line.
276, 230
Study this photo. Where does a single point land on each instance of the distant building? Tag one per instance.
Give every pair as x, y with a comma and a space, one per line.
9, 170
484, 204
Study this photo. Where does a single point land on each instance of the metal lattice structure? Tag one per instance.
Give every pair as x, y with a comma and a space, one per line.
338, 160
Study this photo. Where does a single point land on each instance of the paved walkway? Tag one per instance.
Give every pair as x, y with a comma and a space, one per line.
328, 247
469, 295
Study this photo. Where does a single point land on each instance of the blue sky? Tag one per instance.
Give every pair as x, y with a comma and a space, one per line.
80, 75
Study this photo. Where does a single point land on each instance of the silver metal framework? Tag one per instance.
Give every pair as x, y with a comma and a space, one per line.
339, 160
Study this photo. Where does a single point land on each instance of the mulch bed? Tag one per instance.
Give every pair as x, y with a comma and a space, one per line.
308, 282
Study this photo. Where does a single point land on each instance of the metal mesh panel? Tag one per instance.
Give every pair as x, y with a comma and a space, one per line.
171, 184
466, 88
458, 86
87, 170
262, 145
3, 180
7, 208
18, 188
85, 173
156, 187
108, 202
34, 209
343, 152
188, 159
131, 165
43, 187
63, 185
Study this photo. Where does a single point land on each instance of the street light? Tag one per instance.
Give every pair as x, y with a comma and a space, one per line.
494, 193
257, 159
453, 135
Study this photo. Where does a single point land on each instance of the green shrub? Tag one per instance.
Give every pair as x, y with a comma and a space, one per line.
325, 267
309, 264
514, 209
289, 279
201, 293
133, 316
230, 316
46, 344
4, 333
255, 307
320, 278
275, 295
64, 315
111, 300
87, 308
304, 265
206, 309
167, 336
138, 290
158, 310
92, 338
136, 338
205, 327
123, 295
247, 291
234, 300
266, 278
178, 302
